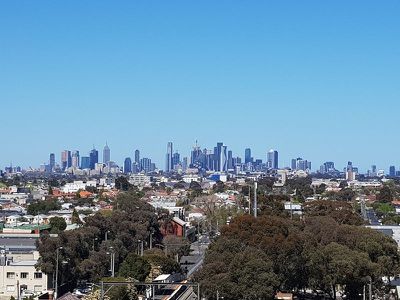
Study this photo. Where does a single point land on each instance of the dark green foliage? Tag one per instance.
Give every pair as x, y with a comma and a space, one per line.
302, 186
75, 217
345, 194
86, 249
341, 212
57, 224
121, 183
385, 195
318, 254
219, 187
135, 267
43, 207
167, 264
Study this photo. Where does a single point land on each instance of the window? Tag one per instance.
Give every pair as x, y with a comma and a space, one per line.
37, 288
24, 275
10, 275
10, 288
38, 275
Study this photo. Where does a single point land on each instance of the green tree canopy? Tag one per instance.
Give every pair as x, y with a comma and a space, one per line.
135, 267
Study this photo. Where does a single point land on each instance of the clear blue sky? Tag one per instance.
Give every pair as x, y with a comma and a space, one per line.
317, 79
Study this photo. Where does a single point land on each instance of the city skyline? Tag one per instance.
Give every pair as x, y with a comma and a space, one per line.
316, 79
271, 159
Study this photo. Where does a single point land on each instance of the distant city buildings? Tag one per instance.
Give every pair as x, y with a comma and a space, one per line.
127, 165
93, 158
218, 159
106, 154
272, 159
301, 164
169, 159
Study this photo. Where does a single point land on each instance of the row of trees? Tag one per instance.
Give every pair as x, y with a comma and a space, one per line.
86, 250
327, 252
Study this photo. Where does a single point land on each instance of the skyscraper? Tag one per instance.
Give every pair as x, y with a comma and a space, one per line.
272, 159
127, 165
137, 156
392, 171
223, 159
106, 154
52, 162
146, 165
230, 160
184, 164
94, 158
85, 162
75, 159
247, 156
66, 159
175, 159
168, 158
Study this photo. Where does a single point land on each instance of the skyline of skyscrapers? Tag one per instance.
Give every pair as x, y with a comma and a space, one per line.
219, 159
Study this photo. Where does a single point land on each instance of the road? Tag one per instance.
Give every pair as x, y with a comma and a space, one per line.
372, 218
195, 260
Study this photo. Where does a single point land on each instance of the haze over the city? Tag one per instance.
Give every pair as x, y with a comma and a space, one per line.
313, 79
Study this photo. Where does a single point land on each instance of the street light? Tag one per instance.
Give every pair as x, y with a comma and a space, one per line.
140, 250
56, 287
94, 239
112, 263
106, 235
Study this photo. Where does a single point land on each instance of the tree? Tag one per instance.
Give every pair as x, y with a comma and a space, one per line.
342, 212
219, 187
57, 224
43, 207
122, 183
135, 267
75, 217
385, 195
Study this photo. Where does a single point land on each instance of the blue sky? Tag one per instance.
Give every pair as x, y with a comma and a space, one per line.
317, 79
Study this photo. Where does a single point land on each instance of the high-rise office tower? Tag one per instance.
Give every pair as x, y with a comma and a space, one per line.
184, 164
85, 162
106, 154
374, 171
128, 165
247, 156
223, 159
137, 156
52, 162
195, 156
75, 159
175, 159
293, 164
230, 160
392, 171
272, 159
66, 159
94, 158
218, 156
146, 165
168, 158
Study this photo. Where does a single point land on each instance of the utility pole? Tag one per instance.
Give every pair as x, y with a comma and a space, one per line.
249, 199
56, 287
112, 261
370, 288
255, 199
151, 240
